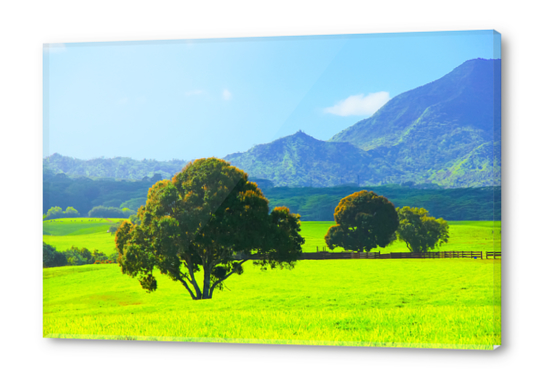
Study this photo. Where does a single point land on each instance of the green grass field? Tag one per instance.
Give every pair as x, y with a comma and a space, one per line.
464, 236
445, 303
80, 232
92, 234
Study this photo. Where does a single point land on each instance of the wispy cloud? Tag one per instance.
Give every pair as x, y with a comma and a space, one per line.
359, 105
195, 92
226, 95
50, 48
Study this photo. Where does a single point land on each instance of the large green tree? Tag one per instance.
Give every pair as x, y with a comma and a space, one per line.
420, 231
208, 218
364, 221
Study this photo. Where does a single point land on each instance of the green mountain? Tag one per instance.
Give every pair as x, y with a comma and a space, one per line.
117, 168
300, 160
446, 133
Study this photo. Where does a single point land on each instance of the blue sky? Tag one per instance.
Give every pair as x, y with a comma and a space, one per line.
189, 99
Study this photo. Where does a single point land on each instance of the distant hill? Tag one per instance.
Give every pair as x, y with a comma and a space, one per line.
117, 168
300, 160
446, 132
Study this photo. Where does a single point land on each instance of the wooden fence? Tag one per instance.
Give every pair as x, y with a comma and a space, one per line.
407, 255
403, 255
493, 254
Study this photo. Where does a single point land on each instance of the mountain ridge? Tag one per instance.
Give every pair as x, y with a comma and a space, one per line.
446, 133
116, 168
437, 133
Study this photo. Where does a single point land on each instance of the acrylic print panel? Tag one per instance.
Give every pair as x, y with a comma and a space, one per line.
320, 190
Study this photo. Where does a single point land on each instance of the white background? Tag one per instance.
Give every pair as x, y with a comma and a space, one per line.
26, 25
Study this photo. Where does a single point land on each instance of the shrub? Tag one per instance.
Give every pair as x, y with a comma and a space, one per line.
71, 257
53, 258
106, 212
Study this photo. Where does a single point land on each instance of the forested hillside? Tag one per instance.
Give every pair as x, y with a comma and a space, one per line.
116, 168
83, 194
313, 204
318, 204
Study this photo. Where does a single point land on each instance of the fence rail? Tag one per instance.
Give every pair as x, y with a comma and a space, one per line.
404, 255
400, 255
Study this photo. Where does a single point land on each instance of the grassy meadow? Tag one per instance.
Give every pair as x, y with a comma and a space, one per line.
464, 236
442, 303
92, 234
446, 303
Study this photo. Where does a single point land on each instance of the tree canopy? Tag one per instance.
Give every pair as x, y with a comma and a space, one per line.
53, 258
420, 231
208, 218
110, 212
56, 212
364, 221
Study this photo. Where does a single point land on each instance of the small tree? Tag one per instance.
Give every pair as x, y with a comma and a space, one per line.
208, 218
113, 228
71, 212
420, 231
98, 256
364, 221
128, 212
54, 212
53, 258
77, 257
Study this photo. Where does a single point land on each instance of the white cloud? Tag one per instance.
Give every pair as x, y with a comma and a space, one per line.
226, 95
359, 105
49, 48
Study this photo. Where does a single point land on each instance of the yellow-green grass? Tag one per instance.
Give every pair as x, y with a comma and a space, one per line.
445, 303
80, 232
464, 236
92, 234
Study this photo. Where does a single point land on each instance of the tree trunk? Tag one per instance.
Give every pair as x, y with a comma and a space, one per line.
193, 281
206, 283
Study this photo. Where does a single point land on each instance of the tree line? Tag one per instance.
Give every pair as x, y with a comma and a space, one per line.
314, 204
453, 204
98, 212
73, 256
84, 194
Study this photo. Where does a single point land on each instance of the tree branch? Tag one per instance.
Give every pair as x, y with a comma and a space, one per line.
187, 288
224, 278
